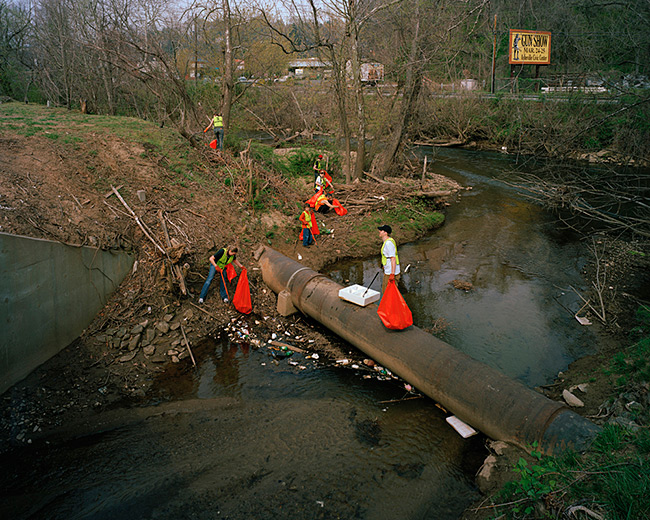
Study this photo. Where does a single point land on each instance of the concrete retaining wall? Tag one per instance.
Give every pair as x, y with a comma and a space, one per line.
49, 293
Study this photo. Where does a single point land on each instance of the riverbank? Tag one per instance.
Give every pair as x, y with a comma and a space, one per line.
59, 170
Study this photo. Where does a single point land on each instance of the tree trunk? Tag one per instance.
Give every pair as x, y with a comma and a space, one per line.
358, 91
228, 84
412, 85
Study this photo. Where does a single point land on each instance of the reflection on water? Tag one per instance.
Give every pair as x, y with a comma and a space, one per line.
518, 315
247, 436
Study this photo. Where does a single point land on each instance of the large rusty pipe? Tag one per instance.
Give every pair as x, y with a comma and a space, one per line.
479, 395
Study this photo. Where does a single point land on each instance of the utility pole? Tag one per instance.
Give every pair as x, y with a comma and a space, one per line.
494, 52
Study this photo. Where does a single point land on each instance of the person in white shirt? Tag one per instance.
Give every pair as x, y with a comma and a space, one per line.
389, 257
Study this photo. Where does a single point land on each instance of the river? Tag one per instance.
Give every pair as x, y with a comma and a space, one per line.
250, 434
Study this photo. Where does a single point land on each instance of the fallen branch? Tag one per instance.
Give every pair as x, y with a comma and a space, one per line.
373, 177
290, 347
193, 213
174, 267
187, 344
203, 310
137, 220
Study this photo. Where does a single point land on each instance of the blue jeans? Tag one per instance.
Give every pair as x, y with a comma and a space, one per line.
218, 134
306, 237
208, 281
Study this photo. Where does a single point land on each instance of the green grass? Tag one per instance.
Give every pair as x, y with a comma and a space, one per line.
70, 128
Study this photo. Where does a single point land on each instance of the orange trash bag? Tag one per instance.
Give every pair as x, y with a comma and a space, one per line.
338, 207
393, 311
213, 144
230, 272
242, 298
312, 200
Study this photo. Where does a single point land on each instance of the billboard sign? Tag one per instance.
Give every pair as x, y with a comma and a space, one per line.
529, 47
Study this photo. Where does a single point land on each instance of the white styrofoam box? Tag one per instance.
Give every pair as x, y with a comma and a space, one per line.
355, 294
463, 429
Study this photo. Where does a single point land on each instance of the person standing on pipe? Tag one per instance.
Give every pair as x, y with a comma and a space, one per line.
218, 263
389, 258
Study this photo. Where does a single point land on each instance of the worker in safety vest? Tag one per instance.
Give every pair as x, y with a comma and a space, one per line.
323, 203
217, 123
324, 182
307, 218
319, 165
218, 262
389, 258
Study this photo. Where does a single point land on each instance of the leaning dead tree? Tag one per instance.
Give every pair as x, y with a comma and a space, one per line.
612, 200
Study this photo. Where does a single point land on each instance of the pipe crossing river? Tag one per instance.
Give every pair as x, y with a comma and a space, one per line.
479, 395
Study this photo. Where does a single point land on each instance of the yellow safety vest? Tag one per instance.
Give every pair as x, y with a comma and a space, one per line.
224, 260
384, 259
217, 121
307, 215
320, 201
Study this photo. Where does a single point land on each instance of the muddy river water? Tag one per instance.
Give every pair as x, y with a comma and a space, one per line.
249, 436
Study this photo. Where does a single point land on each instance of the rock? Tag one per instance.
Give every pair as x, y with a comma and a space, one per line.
188, 314
133, 343
172, 352
163, 327
127, 357
137, 330
572, 400
175, 325
150, 335
158, 358
175, 359
149, 350
168, 317
483, 479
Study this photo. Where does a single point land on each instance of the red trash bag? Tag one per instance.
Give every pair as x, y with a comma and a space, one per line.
242, 298
312, 201
393, 311
230, 272
338, 207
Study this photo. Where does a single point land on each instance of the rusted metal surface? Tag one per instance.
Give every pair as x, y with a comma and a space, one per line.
481, 396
